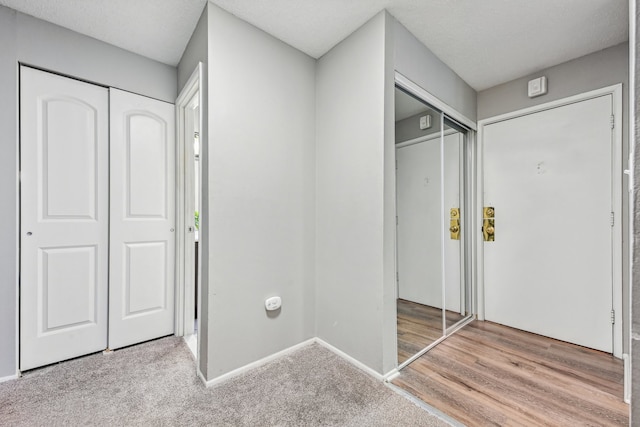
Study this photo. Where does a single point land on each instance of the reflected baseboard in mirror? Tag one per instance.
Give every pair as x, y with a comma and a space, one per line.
419, 326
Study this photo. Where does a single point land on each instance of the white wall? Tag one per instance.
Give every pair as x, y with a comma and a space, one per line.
416, 62
41, 44
600, 69
352, 87
260, 195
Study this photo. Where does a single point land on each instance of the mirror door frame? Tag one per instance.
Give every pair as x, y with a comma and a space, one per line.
470, 201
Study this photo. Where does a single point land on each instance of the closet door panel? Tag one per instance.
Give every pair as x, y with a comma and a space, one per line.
63, 218
142, 234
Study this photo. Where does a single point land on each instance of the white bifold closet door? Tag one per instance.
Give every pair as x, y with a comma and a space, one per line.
64, 210
97, 212
142, 217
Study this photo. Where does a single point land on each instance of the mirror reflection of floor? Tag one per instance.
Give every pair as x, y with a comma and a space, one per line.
418, 326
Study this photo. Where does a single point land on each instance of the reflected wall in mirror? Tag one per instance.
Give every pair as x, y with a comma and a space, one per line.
419, 225
456, 296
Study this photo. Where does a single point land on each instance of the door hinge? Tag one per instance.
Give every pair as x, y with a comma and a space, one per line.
396, 164
397, 220
613, 220
613, 317
397, 277
613, 121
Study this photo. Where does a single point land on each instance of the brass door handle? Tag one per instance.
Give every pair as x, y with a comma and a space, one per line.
488, 224
454, 223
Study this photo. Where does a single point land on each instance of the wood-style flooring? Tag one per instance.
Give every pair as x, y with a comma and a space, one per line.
418, 326
492, 375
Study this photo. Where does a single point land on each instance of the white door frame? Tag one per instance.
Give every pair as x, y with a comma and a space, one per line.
616, 207
185, 259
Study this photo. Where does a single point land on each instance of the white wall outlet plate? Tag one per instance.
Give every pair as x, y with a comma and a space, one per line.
537, 87
273, 303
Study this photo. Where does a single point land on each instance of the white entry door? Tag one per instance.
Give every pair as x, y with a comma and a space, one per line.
142, 230
63, 218
549, 177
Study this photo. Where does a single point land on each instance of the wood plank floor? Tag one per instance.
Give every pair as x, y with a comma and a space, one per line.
492, 375
418, 326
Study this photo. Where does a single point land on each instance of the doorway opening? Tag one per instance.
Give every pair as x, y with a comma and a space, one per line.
189, 120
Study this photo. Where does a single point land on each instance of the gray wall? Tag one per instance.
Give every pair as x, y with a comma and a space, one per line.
54, 48
420, 65
8, 191
197, 50
260, 195
350, 159
635, 284
44, 45
600, 69
389, 306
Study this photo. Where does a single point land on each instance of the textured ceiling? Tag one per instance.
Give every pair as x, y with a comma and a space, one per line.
157, 29
486, 42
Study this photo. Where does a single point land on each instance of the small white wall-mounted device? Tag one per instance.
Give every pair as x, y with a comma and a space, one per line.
425, 122
537, 87
273, 303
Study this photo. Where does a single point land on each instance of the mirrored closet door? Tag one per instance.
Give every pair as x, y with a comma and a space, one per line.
432, 293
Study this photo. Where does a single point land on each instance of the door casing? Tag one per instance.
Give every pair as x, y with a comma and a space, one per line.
184, 257
616, 92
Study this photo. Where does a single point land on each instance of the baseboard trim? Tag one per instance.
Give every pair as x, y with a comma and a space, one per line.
391, 375
239, 371
627, 378
424, 406
353, 361
202, 378
9, 378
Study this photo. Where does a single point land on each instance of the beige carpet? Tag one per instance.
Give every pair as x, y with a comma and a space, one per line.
155, 384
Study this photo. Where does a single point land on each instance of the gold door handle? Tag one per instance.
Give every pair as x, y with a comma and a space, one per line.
488, 224
454, 223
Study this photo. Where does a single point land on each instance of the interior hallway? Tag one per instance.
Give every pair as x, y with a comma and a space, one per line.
489, 374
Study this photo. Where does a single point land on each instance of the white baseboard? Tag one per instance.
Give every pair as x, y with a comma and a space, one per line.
353, 361
627, 378
9, 378
204, 380
256, 364
423, 405
229, 375
389, 376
